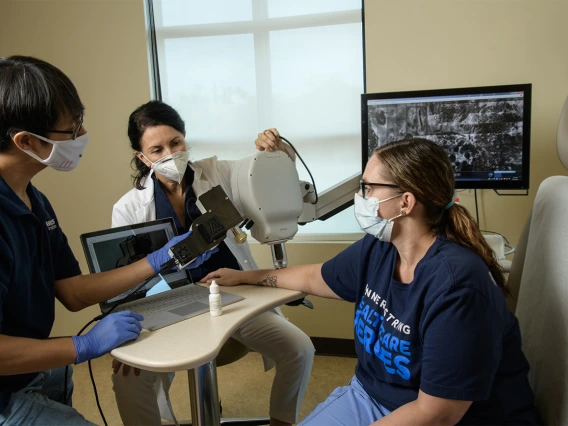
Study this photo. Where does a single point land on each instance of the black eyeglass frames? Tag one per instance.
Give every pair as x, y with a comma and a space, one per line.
73, 132
363, 185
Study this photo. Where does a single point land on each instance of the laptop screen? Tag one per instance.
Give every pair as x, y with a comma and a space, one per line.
117, 247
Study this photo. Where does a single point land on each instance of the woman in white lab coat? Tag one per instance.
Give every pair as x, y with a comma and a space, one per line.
167, 185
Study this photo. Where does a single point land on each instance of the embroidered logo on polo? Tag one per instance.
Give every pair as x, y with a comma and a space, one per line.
51, 225
370, 319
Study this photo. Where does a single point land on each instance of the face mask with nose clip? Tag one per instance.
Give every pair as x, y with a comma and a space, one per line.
366, 213
172, 166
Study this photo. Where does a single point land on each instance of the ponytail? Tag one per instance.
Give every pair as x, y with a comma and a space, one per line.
423, 168
460, 228
141, 172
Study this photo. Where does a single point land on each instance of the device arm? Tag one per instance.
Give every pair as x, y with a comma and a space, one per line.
330, 202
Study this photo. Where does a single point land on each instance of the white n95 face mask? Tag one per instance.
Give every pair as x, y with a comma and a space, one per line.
65, 155
366, 213
172, 166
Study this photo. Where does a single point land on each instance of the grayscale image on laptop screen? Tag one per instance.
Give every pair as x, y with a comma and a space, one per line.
118, 247
127, 248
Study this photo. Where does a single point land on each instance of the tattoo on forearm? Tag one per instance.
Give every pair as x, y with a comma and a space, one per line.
270, 281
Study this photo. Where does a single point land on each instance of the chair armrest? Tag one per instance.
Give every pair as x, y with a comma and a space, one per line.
302, 301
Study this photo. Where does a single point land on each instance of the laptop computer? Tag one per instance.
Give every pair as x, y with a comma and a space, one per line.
168, 298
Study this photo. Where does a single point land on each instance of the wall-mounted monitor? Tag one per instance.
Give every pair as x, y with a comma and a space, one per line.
485, 130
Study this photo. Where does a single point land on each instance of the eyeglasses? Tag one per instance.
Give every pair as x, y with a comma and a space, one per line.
73, 132
363, 185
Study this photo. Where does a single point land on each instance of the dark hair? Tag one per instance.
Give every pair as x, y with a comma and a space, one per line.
423, 168
153, 113
33, 96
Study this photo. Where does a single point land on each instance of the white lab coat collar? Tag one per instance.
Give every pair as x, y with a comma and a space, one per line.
207, 173
145, 198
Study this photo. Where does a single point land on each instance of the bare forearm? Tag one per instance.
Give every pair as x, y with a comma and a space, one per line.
20, 355
412, 414
86, 290
304, 278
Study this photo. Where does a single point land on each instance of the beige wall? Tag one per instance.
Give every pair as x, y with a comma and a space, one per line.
410, 45
436, 44
100, 45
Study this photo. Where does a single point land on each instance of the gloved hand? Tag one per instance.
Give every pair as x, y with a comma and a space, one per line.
110, 332
161, 256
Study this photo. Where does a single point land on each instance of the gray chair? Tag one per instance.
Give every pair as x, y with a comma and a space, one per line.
538, 281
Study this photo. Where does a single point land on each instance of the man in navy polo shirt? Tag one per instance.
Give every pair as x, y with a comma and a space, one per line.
41, 125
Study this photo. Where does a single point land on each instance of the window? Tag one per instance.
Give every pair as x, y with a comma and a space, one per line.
233, 68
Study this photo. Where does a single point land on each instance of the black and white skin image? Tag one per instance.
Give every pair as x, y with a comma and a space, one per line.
123, 251
481, 135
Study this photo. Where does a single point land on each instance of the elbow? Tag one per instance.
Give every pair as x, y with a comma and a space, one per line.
448, 415
446, 421
449, 418
74, 305
73, 293
76, 308
441, 411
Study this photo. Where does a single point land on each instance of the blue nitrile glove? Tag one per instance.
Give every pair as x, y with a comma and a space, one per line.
110, 332
159, 257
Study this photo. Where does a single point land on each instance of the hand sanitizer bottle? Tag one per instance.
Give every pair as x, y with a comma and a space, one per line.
215, 306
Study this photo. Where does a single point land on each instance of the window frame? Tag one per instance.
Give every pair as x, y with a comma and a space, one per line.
260, 26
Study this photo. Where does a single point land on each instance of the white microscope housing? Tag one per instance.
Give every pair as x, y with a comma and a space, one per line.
266, 190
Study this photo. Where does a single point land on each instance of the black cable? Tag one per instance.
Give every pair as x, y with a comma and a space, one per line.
187, 209
476, 208
310, 173
96, 393
65, 399
165, 267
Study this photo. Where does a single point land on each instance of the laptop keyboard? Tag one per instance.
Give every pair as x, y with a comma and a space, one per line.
169, 300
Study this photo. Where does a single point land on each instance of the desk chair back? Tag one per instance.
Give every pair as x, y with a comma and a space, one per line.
539, 274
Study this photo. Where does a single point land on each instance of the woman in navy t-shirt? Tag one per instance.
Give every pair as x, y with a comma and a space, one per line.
434, 339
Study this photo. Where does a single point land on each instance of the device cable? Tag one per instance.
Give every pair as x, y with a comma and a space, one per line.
187, 208
310, 173
165, 267
476, 207
507, 243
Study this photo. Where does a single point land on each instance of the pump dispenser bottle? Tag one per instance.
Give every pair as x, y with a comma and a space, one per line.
215, 306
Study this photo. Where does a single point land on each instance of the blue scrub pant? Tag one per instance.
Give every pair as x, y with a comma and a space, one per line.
346, 406
41, 402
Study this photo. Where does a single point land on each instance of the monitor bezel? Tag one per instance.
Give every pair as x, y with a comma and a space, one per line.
522, 184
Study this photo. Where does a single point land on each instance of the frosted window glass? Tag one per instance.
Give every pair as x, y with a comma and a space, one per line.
317, 105
211, 81
281, 8
193, 12
305, 81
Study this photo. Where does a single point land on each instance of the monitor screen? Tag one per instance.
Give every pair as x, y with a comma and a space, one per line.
114, 250
117, 247
485, 130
